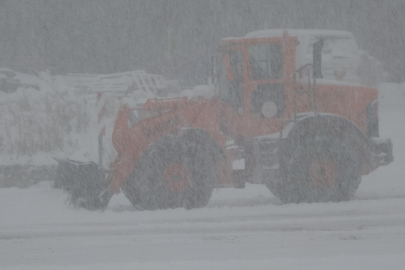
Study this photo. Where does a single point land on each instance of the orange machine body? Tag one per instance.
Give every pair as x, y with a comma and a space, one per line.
222, 121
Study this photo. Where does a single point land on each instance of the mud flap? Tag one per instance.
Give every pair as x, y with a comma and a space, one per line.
85, 182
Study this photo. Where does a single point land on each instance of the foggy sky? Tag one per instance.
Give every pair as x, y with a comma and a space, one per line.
177, 37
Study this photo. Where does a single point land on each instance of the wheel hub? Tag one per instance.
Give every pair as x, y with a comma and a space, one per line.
177, 177
323, 172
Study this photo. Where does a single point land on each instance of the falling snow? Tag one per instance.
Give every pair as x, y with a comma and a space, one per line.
127, 141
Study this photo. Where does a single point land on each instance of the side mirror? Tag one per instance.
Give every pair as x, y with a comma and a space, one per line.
227, 63
215, 64
214, 69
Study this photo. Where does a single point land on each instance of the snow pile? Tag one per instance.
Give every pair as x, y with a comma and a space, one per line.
36, 125
36, 122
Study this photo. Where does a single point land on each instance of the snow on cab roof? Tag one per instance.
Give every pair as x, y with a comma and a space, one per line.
298, 32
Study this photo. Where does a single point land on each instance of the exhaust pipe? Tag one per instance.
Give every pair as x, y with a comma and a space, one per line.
317, 58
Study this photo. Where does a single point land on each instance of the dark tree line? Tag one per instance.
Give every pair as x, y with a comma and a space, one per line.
177, 37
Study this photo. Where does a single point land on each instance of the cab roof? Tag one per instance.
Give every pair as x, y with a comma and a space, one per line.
298, 33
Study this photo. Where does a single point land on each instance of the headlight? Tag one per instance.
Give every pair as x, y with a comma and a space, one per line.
269, 109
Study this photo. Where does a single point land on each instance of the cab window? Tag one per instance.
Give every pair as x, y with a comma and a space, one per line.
266, 62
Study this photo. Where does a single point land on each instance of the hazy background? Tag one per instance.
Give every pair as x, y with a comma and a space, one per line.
177, 37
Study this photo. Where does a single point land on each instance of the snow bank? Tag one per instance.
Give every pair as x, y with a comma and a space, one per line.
37, 124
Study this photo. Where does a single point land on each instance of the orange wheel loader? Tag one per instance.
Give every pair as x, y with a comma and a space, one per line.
307, 139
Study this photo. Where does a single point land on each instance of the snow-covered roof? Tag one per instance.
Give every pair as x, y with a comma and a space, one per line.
298, 32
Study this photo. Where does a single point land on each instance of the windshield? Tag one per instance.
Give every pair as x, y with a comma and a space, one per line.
266, 62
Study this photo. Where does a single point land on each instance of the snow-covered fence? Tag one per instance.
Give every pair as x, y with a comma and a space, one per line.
108, 92
38, 122
125, 82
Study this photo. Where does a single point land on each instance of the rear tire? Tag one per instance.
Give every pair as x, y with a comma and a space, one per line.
318, 166
174, 172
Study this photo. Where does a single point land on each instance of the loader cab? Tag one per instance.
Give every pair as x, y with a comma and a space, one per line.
255, 75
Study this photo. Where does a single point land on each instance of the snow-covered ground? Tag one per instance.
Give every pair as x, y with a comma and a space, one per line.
239, 229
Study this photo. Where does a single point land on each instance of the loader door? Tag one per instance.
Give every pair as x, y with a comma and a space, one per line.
256, 78
266, 73
252, 80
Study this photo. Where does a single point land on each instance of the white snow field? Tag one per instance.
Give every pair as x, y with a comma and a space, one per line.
239, 229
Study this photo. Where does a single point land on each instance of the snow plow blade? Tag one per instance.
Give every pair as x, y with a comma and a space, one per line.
85, 182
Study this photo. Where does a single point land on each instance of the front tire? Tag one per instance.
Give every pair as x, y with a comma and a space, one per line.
174, 172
